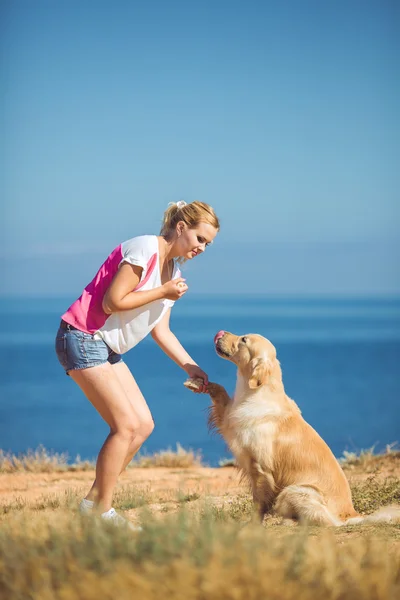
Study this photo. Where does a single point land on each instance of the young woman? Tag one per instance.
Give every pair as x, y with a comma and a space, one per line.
130, 296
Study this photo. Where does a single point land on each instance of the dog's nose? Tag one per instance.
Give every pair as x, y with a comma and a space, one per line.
218, 336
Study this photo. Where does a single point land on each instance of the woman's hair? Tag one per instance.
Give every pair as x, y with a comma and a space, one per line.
192, 214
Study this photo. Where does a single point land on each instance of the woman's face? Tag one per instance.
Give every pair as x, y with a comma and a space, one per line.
192, 242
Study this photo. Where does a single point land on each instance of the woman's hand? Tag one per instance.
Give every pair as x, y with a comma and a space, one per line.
194, 371
174, 289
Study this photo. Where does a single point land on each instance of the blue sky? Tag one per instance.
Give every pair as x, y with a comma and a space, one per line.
281, 115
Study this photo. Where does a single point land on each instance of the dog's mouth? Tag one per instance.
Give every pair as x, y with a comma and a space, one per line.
219, 350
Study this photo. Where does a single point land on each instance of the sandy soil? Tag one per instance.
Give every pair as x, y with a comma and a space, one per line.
158, 482
162, 489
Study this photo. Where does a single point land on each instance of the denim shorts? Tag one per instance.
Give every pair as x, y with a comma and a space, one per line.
79, 350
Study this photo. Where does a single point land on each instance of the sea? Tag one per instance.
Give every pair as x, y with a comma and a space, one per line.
340, 360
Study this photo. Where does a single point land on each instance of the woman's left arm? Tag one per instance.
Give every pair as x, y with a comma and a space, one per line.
172, 347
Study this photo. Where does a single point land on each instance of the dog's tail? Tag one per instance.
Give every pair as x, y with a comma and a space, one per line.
386, 514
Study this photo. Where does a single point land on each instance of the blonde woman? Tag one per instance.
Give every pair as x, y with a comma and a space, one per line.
130, 296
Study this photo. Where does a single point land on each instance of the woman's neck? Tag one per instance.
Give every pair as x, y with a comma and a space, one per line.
166, 248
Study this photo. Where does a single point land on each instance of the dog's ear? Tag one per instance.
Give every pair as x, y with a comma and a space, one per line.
260, 370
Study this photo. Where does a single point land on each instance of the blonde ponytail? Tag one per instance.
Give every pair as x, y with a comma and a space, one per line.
192, 214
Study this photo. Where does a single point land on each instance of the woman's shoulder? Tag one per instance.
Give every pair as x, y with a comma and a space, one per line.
140, 250
146, 243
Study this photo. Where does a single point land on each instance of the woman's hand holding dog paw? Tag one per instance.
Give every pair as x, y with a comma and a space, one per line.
194, 385
198, 379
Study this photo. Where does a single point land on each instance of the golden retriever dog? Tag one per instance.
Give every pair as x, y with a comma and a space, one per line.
290, 468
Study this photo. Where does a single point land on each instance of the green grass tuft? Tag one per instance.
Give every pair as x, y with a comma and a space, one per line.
371, 494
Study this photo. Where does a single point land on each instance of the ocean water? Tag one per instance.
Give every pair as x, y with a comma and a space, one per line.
340, 360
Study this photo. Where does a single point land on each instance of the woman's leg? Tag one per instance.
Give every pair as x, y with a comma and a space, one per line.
140, 407
104, 390
142, 412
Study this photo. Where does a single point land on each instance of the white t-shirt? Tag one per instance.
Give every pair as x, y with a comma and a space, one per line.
122, 330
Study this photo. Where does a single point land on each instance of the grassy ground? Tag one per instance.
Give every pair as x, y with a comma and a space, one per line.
198, 539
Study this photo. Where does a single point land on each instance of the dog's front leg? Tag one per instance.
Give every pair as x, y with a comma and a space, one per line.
218, 394
219, 397
220, 400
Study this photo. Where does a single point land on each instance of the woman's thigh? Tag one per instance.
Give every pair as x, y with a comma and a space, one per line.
104, 390
133, 392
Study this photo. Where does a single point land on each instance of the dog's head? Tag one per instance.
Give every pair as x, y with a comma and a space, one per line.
253, 354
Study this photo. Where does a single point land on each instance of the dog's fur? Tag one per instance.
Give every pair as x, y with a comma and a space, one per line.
288, 465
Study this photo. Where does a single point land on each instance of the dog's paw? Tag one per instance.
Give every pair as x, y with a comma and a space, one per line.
194, 383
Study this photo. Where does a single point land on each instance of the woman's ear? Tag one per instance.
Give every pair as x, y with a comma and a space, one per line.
259, 373
180, 227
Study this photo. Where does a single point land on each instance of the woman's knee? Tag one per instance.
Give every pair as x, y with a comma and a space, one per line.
134, 431
128, 429
146, 429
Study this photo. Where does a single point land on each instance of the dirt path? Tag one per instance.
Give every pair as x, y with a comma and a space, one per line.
157, 482
161, 489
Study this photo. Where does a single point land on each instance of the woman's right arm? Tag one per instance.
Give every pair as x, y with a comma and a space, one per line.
119, 295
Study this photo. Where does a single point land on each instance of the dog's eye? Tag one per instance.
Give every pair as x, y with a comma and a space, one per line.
244, 339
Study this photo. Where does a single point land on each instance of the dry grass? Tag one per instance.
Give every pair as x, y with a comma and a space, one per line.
368, 461
40, 461
45, 461
180, 458
227, 462
67, 500
195, 544
189, 556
